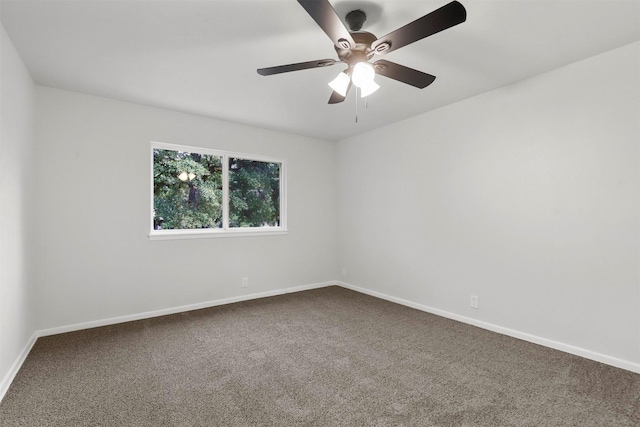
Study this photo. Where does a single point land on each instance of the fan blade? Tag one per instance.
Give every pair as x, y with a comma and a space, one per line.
336, 98
403, 74
447, 16
295, 67
326, 17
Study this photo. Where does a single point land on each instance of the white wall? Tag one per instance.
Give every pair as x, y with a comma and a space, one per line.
527, 196
95, 260
17, 120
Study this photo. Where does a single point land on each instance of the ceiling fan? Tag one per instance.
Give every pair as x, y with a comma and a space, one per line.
356, 48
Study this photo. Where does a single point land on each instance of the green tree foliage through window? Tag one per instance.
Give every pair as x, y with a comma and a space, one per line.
254, 193
187, 190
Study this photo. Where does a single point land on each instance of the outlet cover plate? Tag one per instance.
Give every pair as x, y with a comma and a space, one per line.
474, 301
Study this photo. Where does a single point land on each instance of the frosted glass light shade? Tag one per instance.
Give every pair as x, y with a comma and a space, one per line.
340, 84
368, 88
363, 74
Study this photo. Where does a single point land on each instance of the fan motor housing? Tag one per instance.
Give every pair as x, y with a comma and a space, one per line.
361, 51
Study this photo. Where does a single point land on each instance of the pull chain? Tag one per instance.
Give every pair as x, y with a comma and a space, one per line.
366, 103
356, 91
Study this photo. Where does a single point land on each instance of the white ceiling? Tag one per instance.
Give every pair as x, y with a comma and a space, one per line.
201, 56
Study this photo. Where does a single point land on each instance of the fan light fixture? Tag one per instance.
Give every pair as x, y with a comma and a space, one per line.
363, 74
362, 77
340, 84
368, 88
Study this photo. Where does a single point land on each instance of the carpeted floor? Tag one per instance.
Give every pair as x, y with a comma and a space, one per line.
323, 357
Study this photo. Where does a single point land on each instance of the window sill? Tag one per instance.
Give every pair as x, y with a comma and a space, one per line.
213, 234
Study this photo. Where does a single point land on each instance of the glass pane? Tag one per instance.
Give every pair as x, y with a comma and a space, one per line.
187, 190
254, 193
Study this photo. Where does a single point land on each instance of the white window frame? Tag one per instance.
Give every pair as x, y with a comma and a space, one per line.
225, 231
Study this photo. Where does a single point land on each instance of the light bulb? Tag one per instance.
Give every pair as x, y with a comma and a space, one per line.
191, 176
363, 74
340, 84
183, 176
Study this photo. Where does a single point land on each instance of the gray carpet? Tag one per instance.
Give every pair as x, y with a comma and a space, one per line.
323, 357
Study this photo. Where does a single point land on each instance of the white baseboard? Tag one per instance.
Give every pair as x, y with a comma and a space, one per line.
598, 357
9, 377
567, 348
175, 310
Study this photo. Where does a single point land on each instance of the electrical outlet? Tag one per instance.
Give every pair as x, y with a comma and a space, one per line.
245, 282
344, 271
474, 301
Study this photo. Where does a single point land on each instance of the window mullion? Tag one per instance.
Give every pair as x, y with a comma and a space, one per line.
225, 192
283, 196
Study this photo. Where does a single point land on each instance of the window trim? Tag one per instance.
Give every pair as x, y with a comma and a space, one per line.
225, 231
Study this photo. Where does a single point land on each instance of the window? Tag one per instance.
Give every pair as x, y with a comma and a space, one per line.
197, 192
